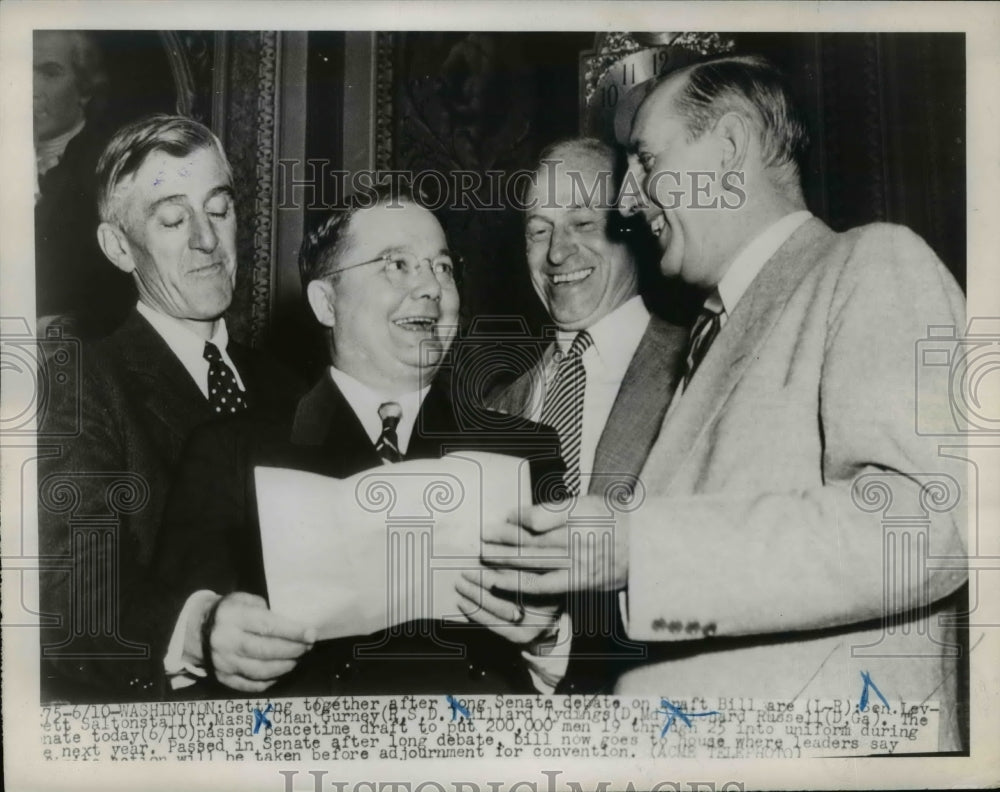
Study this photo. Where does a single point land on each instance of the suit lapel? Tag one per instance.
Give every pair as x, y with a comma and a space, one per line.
326, 422
640, 405
435, 424
725, 363
161, 383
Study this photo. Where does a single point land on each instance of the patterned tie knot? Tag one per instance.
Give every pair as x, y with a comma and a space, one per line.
390, 413
212, 353
580, 344
706, 328
387, 445
224, 393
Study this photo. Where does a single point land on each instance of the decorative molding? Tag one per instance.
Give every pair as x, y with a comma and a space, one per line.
263, 234
383, 100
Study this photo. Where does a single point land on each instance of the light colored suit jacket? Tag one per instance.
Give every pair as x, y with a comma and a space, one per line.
797, 530
638, 410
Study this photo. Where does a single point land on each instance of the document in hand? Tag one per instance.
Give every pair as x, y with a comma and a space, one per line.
383, 547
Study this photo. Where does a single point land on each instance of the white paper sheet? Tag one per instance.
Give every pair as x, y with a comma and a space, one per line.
383, 547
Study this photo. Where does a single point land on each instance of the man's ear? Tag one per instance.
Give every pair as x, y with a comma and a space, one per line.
116, 247
736, 136
320, 294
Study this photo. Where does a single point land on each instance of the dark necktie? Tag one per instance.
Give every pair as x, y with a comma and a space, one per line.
387, 445
706, 328
563, 409
224, 394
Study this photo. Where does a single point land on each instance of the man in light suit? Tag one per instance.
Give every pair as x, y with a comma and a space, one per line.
168, 220
584, 270
769, 558
381, 282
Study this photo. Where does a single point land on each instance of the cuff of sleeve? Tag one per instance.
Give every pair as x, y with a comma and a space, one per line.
182, 669
547, 670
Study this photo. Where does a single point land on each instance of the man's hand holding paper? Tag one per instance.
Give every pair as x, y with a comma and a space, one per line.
384, 547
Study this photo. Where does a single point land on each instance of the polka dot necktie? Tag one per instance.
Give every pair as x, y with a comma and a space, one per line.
224, 394
563, 409
387, 444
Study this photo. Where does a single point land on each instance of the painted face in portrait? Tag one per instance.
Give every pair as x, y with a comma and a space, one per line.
57, 101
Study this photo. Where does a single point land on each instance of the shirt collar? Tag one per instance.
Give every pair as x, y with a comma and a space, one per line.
754, 256
365, 401
184, 343
615, 335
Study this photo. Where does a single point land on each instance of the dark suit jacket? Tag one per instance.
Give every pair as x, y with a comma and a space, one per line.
599, 645
108, 443
211, 537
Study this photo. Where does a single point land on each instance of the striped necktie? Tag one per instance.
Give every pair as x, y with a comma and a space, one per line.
387, 445
563, 409
706, 328
224, 394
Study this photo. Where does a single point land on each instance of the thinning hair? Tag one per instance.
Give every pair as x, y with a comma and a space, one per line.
126, 152
756, 89
577, 156
321, 249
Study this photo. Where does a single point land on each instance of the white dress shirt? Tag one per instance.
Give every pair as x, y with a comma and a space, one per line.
365, 402
615, 338
190, 347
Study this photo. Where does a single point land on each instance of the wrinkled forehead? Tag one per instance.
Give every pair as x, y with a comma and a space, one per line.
161, 174
655, 108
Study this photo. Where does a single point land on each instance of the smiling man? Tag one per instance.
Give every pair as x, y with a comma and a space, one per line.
771, 555
167, 219
606, 381
380, 279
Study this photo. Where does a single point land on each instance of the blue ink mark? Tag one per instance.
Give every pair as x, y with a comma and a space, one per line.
457, 708
260, 718
157, 181
672, 712
863, 704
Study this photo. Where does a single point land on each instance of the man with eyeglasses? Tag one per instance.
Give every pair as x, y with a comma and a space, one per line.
379, 277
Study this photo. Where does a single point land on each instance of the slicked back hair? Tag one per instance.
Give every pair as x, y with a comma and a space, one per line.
753, 87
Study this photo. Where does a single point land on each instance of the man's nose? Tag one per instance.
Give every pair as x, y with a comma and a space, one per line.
426, 284
203, 236
562, 246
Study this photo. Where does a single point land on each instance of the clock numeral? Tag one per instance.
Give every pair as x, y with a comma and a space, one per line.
660, 59
628, 73
609, 95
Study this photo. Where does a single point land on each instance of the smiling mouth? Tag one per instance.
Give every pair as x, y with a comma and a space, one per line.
209, 268
416, 324
571, 277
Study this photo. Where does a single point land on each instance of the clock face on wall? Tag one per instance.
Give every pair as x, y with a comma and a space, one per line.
612, 89
621, 62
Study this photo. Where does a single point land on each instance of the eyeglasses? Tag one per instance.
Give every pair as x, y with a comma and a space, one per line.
403, 268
